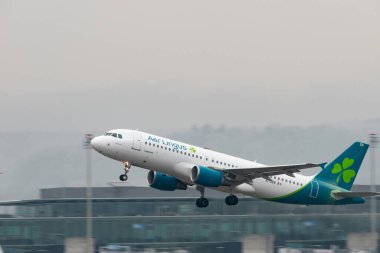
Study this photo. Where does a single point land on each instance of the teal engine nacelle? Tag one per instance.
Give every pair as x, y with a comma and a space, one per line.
207, 177
164, 182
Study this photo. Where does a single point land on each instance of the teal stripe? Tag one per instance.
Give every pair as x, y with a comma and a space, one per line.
289, 194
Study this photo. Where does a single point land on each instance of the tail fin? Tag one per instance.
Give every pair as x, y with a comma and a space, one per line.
343, 170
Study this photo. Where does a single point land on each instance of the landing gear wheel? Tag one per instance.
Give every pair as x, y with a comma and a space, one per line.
231, 200
202, 202
123, 177
197, 203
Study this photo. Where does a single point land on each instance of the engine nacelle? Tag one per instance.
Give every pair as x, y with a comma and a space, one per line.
207, 177
164, 182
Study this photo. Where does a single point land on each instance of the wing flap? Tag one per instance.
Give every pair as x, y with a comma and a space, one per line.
268, 171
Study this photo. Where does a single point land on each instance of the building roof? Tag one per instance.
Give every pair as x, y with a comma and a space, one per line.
123, 192
126, 193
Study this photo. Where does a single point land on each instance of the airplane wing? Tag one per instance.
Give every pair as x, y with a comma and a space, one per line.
343, 195
266, 172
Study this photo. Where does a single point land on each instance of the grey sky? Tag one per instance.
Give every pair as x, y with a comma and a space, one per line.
96, 65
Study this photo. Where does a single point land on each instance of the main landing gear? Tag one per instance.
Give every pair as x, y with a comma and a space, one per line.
231, 200
127, 166
202, 201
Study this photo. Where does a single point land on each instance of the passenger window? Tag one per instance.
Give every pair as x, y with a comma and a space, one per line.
201, 158
154, 145
193, 155
196, 156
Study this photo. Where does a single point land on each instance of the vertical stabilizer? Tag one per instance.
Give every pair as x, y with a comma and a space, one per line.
344, 169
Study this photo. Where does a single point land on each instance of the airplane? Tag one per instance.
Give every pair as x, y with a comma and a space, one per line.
174, 165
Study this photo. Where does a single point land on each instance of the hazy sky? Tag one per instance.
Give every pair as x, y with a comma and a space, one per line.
96, 65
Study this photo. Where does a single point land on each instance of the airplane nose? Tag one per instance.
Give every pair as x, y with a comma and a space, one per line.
95, 143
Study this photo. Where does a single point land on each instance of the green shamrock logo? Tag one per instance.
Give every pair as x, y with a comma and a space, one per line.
192, 149
344, 170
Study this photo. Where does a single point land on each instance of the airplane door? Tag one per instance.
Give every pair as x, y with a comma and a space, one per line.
314, 189
136, 140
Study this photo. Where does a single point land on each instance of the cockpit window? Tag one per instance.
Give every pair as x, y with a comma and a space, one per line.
116, 135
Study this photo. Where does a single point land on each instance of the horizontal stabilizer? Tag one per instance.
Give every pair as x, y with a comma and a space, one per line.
343, 195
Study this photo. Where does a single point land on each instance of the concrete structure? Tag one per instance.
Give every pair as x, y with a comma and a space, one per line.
258, 244
78, 245
362, 241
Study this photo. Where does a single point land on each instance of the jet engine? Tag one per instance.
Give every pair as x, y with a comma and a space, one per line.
207, 177
164, 182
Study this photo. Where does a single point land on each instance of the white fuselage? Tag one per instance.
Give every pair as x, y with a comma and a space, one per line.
160, 154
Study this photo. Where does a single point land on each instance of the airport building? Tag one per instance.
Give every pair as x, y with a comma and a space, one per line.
142, 217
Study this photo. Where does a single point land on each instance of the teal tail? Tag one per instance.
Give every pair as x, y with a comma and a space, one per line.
344, 169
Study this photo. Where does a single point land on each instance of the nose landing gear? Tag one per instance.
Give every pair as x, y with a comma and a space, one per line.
127, 166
